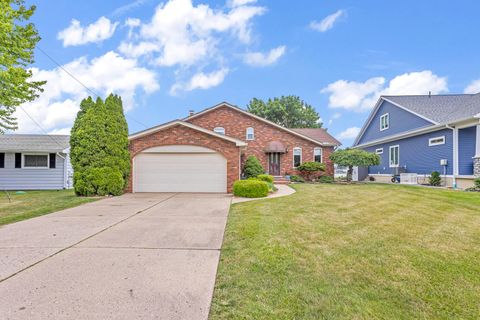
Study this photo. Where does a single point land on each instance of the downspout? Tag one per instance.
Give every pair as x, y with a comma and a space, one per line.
455, 155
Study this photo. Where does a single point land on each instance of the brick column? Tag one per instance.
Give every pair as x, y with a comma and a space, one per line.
476, 159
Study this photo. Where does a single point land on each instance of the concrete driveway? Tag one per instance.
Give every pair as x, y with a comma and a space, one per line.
138, 256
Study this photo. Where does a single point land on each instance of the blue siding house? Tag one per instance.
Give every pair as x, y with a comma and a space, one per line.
35, 162
422, 134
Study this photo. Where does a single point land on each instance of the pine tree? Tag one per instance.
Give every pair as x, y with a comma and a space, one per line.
99, 147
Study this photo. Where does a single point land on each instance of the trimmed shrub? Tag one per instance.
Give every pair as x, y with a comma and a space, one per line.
253, 167
295, 178
325, 179
310, 169
98, 181
435, 179
250, 188
476, 183
265, 177
371, 178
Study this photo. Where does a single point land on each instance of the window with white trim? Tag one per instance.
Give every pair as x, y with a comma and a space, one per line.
317, 155
394, 156
297, 157
35, 161
219, 130
384, 122
436, 141
379, 151
250, 135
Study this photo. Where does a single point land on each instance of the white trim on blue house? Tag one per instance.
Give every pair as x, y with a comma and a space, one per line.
436, 141
384, 125
374, 112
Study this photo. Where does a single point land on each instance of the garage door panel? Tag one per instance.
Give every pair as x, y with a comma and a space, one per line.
180, 172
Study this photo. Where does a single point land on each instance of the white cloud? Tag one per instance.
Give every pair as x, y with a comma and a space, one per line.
180, 33
98, 31
201, 81
264, 59
336, 115
473, 87
328, 22
361, 96
238, 3
57, 106
132, 5
350, 133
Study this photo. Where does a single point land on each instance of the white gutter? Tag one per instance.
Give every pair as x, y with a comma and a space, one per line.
64, 169
455, 155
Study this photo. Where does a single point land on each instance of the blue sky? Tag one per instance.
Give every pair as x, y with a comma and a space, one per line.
167, 57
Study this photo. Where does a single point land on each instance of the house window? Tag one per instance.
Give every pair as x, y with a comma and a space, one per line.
379, 151
436, 141
250, 133
219, 130
384, 122
317, 155
394, 156
297, 157
35, 161
2, 160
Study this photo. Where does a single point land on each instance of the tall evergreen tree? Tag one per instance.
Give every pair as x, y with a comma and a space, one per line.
99, 147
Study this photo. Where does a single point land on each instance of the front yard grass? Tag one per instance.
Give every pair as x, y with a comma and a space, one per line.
352, 252
36, 203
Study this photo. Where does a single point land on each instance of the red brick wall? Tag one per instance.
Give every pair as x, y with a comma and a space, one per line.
181, 135
236, 124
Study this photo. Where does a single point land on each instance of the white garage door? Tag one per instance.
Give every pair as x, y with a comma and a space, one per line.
180, 171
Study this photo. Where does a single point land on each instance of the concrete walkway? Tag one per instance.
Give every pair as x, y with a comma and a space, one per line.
139, 256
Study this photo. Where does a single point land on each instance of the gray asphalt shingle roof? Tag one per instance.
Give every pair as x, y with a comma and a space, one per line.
441, 108
33, 143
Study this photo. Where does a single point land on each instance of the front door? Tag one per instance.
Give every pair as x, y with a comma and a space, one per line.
274, 164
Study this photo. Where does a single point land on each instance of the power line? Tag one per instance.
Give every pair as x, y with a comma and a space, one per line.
38, 125
81, 83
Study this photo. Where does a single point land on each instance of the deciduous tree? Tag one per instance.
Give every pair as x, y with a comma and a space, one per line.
354, 158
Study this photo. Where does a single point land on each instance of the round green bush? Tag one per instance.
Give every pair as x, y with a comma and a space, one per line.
295, 178
250, 188
325, 179
252, 167
265, 177
99, 181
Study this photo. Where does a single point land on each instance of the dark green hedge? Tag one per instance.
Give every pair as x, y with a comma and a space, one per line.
250, 188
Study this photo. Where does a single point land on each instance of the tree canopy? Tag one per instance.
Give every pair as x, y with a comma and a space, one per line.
18, 39
354, 158
287, 111
99, 147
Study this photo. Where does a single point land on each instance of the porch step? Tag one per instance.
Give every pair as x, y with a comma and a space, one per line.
280, 180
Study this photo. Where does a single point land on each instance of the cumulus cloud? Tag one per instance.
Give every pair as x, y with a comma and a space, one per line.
238, 3
328, 22
96, 32
350, 133
260, 59
57, 106
361, 96
201, 81
180, 33
473, 87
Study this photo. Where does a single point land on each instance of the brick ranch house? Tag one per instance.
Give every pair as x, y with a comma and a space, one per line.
206, 151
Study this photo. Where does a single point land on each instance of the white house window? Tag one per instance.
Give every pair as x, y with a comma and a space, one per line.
394, 156
219, 130
436, 141
250, 133
317, 155
379, 151
35, 161
297, 157
384, 122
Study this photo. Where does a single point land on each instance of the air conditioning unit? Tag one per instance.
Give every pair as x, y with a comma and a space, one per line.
408, 178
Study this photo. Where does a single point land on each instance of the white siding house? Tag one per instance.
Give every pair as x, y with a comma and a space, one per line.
35, 162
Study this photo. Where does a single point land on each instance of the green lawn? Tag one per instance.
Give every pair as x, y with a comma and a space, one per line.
352, 252
36, 203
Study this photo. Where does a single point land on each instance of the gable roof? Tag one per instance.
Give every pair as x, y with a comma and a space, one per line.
438, 109
333, 141
318, 134
34, 143
238, 143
